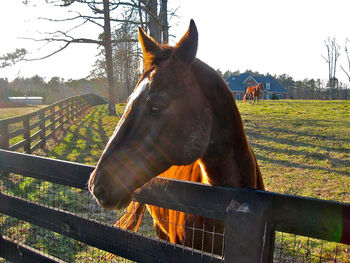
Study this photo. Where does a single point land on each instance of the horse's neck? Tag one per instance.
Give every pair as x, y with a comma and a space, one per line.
228, 159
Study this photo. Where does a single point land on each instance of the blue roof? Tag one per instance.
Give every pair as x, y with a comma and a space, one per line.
236, 83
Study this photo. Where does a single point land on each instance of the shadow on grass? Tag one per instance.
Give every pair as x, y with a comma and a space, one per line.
87, 131
299, 165
305, 134
307, 155
64, 130
60, 246
23, 187
102, 133
319, 145
84, 141
251, 133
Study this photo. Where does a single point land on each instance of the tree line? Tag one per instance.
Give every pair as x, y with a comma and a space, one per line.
117, 64
57, 88
53, 90
117, 21
330, 89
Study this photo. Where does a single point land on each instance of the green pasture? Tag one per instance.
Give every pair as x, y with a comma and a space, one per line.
302, 147
17, 111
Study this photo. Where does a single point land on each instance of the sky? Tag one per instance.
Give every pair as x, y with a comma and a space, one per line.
268, 36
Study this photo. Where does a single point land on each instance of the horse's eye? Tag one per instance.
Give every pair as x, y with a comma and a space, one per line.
155, 109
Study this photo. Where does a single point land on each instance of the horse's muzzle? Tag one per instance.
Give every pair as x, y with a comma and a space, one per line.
108, 195
100, 193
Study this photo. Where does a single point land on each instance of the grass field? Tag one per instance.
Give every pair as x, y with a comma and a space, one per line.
12, 112
303, 148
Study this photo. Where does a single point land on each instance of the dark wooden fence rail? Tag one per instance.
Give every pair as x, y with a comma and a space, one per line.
38, 126
250, 215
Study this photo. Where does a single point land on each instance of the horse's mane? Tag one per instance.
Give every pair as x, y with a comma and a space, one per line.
152, 60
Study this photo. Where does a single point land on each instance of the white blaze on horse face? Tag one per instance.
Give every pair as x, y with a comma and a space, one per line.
137, 92
134, 95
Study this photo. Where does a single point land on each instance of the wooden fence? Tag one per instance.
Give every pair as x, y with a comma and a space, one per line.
251, 216
31, 131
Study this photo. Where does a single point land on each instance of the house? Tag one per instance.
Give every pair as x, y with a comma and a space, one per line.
27, 100
273, 89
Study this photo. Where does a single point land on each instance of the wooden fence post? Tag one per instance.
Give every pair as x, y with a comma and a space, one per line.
248, 235
4, 136
66, 111
61, 114
69, 110
26, 134
53, 124
72, 107
42, 128
4, 140
80, 106
1, 245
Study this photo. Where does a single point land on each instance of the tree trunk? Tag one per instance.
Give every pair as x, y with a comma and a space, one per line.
163, 19
109, 59
153, 23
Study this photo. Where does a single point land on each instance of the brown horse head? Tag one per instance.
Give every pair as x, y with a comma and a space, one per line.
180, 111
260, 86
167, 121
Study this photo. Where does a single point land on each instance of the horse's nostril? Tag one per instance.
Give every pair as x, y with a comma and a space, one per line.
99, 192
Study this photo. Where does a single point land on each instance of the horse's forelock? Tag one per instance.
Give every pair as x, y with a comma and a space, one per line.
151, 60
144, 75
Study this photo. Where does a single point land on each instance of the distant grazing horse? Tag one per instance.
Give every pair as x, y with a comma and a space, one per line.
180, 122
253, 92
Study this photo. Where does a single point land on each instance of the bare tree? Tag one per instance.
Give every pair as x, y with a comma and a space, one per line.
109, 57
126, 59
163, 20
333, 53
347, 72
149, 16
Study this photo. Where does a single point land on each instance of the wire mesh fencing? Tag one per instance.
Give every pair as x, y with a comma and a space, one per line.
55, 229
295, 248
79, 202
57, 197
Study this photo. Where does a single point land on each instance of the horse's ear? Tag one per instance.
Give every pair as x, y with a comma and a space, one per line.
148, 44
186, 49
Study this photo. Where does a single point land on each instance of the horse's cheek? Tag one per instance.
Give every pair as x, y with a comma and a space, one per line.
196, 141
